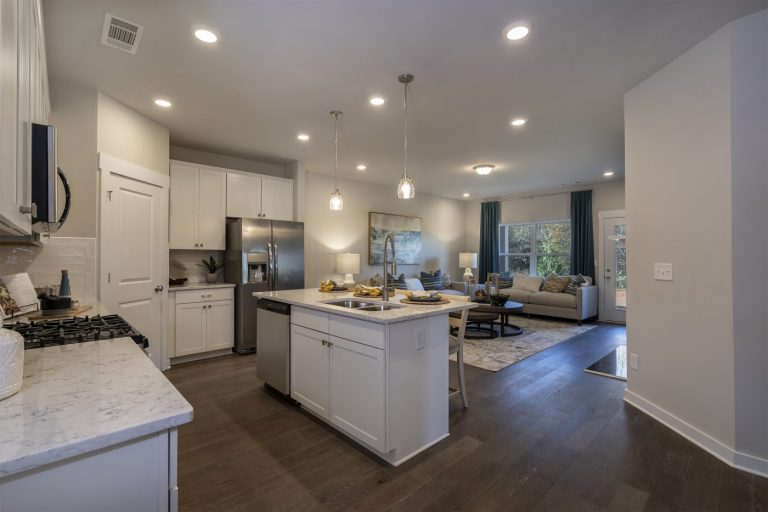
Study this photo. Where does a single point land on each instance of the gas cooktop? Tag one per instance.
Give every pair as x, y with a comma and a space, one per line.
43, 333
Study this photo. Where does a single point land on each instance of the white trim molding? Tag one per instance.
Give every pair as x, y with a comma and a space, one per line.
738, 460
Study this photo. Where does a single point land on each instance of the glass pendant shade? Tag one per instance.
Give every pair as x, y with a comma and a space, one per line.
337, 203
406, 190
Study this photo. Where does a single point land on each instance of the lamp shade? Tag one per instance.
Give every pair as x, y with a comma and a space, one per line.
347, 263
468, 259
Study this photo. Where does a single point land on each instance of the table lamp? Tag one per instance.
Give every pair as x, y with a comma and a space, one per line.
468, 260
348, 264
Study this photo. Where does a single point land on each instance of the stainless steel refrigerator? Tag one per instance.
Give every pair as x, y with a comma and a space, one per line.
262, 255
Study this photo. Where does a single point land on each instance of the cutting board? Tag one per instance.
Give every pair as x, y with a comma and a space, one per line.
64, 313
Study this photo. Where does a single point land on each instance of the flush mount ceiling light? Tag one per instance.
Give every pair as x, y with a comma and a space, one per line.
405, 190
517, 30
465, 194
336, 203
608, 173
160, 102
206, 35
376, 101
361, 167
484, 169
303, 137
518, 121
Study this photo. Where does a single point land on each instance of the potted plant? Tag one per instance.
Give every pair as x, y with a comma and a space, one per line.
210, 266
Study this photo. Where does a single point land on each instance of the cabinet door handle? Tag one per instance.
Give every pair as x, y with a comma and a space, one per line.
324, 342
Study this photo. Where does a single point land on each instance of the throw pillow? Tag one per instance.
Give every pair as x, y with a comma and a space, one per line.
447, 283
432, 280
398, 283
556, 284
504, 280
573, 286
413, 284
527, 283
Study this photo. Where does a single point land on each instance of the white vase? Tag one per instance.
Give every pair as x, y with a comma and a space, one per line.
11, 362
211, 278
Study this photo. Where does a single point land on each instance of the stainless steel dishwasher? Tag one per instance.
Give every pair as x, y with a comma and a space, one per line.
273, 344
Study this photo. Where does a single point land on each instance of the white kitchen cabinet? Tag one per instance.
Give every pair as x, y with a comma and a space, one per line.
310, 370
190, 328
219, 325
243, 196
203, 321
277, 199
259, 197
23, 100
197, 208
358, 391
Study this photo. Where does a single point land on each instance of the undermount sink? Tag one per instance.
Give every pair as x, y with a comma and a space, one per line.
349, 303
379, 307
362, 305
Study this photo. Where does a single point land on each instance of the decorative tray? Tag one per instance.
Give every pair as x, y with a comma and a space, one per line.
338, 289
425, 302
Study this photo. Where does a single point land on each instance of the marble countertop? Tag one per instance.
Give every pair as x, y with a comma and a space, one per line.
82, 397
314, 299
199, 286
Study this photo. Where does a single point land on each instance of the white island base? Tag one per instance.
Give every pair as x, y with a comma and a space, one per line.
380, 379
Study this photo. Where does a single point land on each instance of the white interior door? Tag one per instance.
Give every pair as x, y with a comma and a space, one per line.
613, 267
134, 249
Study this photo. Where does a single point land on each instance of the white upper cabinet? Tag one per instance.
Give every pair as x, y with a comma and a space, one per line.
212, 208
197, 208
277, 199
259, 197
23, 100
243, 196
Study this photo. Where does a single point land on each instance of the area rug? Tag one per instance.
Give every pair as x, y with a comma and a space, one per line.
538, 334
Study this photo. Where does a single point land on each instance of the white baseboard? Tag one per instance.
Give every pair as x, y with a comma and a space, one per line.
743, 461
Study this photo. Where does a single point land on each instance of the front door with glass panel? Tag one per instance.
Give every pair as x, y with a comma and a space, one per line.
614, 269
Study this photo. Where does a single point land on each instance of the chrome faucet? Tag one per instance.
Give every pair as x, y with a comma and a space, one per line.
391, 239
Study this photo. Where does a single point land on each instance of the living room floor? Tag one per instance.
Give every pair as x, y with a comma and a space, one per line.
538, 435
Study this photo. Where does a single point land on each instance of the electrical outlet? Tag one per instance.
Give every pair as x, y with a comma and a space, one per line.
633, 361
662, 271
421, 339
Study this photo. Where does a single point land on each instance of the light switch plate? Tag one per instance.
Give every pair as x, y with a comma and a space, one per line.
633, 363
662, 271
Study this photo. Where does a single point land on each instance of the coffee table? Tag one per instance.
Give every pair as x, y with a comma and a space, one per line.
492, 315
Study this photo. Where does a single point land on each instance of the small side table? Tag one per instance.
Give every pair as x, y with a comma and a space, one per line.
503, 312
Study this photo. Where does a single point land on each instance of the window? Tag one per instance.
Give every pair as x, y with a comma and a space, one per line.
537, 249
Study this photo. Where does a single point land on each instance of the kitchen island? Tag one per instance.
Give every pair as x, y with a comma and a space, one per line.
92, 428
377, 374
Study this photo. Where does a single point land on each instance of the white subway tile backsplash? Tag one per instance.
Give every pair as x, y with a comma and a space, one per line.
44, 264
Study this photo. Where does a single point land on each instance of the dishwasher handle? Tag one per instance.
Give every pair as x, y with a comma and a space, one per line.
274, 306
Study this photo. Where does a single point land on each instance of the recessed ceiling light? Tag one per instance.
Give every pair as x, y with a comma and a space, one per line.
465, 194
160, 102
608, 173
303, 137
206, 36
376, 101
361, 167
517, 30
518, 121
484, 169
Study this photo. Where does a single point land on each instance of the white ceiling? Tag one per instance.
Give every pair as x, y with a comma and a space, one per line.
281, 66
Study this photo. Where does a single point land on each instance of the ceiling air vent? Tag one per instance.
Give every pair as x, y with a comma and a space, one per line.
121, 34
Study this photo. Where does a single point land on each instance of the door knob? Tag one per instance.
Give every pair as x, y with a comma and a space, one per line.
159, 288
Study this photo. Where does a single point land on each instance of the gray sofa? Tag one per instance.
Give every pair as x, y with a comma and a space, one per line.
577, 307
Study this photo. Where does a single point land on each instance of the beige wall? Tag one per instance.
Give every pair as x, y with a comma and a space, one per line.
226, 161
73, 113
328, 233
696, 184
556, 206
126, 134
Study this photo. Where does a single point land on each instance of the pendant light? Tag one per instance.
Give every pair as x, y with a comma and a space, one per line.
405, 190
336, 203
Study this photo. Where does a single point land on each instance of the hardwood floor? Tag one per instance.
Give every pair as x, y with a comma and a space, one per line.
539, 435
